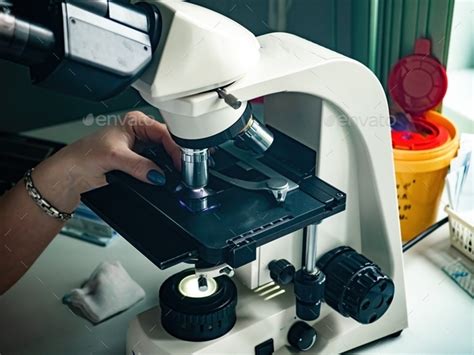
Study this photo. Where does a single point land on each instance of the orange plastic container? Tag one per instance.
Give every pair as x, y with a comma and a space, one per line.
420, 178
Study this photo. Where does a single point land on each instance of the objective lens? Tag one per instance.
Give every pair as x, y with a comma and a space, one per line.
194, 167
256, 136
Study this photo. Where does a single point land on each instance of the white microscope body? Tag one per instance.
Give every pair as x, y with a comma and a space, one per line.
328, 102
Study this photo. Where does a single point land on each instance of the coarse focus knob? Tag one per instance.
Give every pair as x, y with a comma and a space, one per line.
355, 286
302, 336
281, 271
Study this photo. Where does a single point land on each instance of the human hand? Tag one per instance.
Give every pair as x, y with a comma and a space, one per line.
81, 166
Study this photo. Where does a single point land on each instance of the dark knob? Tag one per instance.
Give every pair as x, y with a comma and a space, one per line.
281, 271
197, 319
302, 336
355, 286
309, 292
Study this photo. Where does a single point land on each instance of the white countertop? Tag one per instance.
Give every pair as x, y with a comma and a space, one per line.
34, 321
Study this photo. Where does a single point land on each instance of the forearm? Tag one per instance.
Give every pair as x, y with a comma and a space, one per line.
25, 229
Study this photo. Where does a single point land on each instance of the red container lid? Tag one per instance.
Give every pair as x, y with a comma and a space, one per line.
418, 82
422, 135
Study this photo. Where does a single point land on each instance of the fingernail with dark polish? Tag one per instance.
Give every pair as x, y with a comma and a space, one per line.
155, 177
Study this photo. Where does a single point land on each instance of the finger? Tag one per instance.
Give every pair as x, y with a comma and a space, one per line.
173, 150
147, 129
139, 167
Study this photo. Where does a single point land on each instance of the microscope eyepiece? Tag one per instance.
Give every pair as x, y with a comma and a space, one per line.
23, 42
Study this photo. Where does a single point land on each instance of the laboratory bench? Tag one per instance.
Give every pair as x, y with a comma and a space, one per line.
33, 319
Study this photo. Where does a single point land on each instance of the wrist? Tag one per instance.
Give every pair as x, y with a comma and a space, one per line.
56, 181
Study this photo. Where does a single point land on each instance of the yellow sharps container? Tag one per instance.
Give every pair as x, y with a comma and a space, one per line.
424, 141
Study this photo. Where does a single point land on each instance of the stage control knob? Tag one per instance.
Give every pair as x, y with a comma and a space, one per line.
281, 271
355, 286
302, 336
309, 292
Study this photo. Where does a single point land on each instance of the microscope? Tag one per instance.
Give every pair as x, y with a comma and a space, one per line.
285, 212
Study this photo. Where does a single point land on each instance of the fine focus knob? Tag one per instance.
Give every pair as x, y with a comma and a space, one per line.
355, 286
281, 271
302, 336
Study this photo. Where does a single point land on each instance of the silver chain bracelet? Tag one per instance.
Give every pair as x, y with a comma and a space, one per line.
49, 209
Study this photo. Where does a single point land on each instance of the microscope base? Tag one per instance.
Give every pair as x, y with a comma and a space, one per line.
258, 321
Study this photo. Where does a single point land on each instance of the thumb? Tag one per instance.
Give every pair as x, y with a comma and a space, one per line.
139, 167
